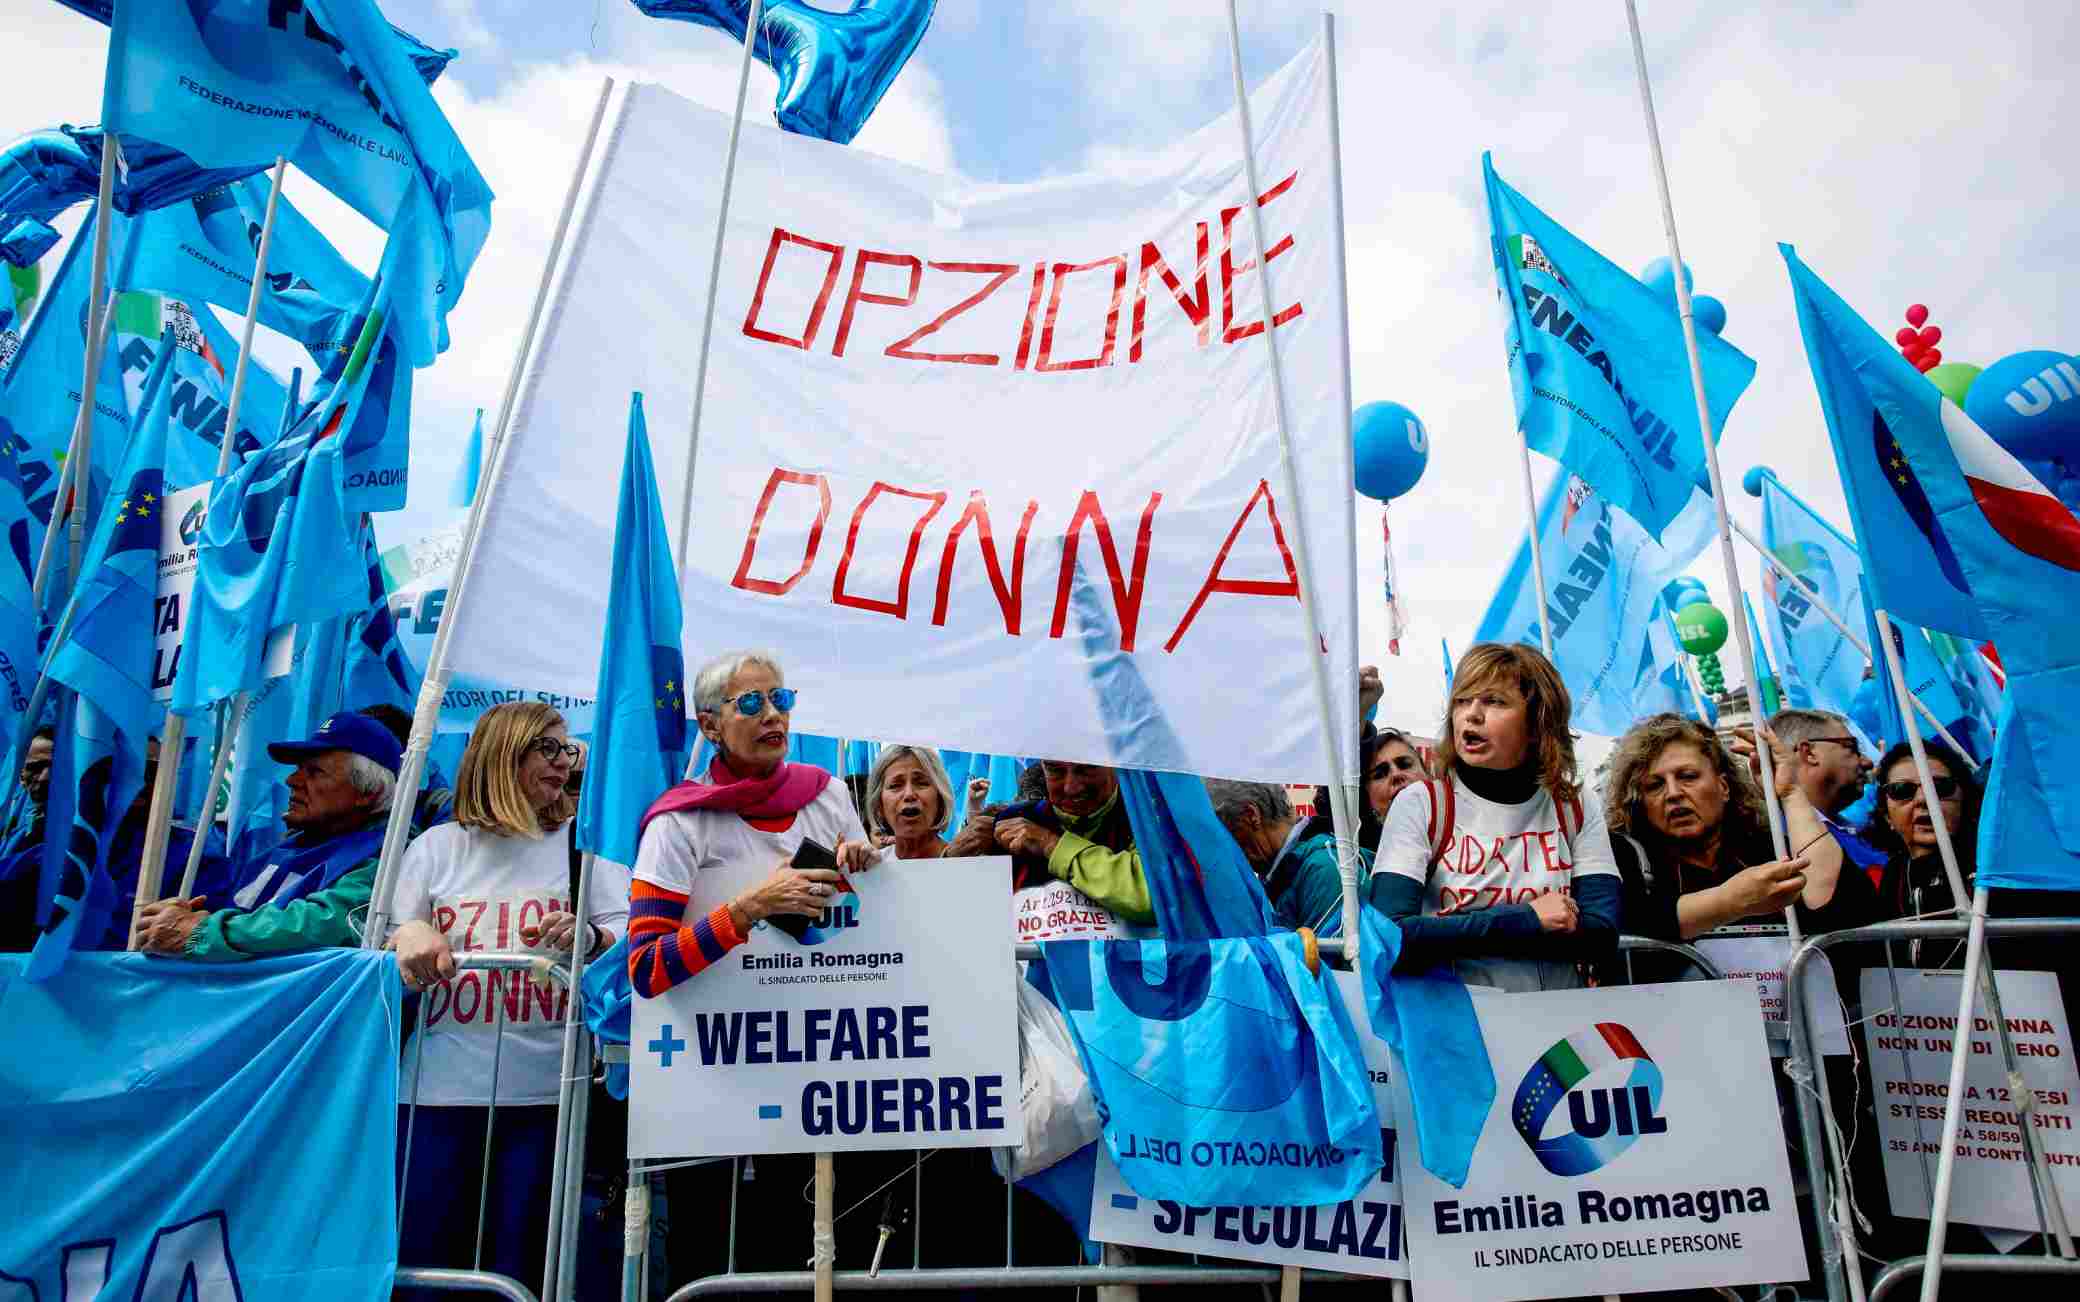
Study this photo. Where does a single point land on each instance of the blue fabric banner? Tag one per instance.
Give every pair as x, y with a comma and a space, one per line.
1821, 667
1225, 1072
241, 1144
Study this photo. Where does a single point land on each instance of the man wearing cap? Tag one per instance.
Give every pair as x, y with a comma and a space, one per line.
312, 891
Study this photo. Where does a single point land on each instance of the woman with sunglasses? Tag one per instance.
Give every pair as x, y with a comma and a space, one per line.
496, 878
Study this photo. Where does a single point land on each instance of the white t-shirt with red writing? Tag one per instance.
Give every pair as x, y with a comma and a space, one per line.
1496, 855
479, 889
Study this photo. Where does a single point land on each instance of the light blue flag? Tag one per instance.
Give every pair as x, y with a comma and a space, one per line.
464, 490
1599, 367
639, 720
327, 84
271, 550
1428, 1020
20, 621
95, 774
204, 358
1925, 675
1770, 691
1206, 1056
2019, 841
376, 671
1604, 575
1662, 686
1821, 667
280, 1074
375, 454
287, 707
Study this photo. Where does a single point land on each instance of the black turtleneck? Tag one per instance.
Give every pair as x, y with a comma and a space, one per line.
1502, 786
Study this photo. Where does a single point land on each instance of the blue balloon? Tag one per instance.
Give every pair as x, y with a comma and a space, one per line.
2030, 403
1682, 591
833, 67
1389, 449
1657, 277
1708, 312
1752, 481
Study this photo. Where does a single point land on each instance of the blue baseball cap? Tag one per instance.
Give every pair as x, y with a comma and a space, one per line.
347, 731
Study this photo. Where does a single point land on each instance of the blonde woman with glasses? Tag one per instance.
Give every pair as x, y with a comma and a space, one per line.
496, 878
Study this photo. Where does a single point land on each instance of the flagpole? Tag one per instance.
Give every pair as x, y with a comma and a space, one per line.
68, 492
1340, 795
426, 719
1347, 864
152, 867
99, 312
1856, 640
1978, 981
1711, 447
1538, 565
700, 370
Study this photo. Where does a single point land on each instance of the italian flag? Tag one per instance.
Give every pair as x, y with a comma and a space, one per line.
1584, 1053
2017, 505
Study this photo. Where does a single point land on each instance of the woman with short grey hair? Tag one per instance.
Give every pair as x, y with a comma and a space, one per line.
1299, 871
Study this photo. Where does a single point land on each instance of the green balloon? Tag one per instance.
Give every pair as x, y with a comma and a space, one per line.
1701, 628
1953, 378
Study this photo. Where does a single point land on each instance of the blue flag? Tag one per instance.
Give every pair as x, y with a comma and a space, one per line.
266, 1076
95, 775
464, 489
1925, 675
20, 621
327, 84
1821, 667
639, 720
199, 392
376, 671
2020, 841
1205, 1055
1604, 575
1598, 363
1771, 691
1428, 1019
282, 708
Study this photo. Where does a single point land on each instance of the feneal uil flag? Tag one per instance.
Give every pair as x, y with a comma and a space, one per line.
930, 401
1821, 667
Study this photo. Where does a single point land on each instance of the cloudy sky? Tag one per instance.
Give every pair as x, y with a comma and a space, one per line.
1913, 151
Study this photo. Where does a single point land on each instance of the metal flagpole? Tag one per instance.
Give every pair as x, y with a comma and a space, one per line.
1978, 981
1704, 427
1340, 791
567, 1169
1347, 864
100, 311
1855, 639
152, 866
729, 180
435, 683
1538, 565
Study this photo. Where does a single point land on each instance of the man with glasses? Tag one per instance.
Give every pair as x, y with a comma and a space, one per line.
1831, 769
312, 890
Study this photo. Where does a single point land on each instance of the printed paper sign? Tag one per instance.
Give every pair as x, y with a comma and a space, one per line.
1362, 1236
1058, 911
1761, 959
1633, 1145
1909, 1043
898, 1029
181, 512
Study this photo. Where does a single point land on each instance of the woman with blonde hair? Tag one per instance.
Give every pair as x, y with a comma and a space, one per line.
1498, 865
910, 802
496, 878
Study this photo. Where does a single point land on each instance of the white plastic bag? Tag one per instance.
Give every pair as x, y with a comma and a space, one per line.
1060, 1115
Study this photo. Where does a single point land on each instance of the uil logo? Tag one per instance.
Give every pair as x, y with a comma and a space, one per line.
191, 523
840, 916
1611, 1089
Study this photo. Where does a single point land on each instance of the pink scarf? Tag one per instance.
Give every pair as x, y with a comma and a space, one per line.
785, 791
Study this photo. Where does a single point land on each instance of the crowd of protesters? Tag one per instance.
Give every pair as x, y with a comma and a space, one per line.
1493, 854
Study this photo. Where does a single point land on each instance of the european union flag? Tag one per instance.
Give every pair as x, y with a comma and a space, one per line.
639, 724
1598, 363
326, 83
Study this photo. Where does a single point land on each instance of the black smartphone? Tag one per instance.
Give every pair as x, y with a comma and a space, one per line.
809, 854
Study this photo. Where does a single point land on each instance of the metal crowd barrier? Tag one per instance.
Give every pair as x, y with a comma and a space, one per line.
1822, 1142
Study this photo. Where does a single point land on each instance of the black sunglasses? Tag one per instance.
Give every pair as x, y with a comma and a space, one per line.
1387, 768
1946, 787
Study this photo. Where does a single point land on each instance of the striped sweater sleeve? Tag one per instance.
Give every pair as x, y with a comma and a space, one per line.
662, 952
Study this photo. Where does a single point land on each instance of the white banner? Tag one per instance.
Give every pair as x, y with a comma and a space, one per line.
1633, 1145
1909, 1045
930, 401
1058, 911
1761, 960
180, 526
1362, 1236
892, 1030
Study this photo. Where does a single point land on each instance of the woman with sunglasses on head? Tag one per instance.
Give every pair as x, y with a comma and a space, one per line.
497, 878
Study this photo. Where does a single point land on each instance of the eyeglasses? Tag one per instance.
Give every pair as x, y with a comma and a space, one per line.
753, 704
1387, 768
1850, 742
549, 748
1945, 786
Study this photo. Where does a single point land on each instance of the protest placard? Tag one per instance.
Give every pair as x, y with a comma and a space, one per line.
1360, 1236
1761, 959
897, 1028
1910, 1041
1633, 1144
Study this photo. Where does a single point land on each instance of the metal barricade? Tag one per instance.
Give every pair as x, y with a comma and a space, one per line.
1824, 1146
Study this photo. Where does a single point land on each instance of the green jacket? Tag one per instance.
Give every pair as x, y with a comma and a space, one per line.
321, 920
1113, 878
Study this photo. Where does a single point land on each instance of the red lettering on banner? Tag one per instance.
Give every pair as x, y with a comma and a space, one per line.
1197, 307
470, 983
1126, 593
1025, 332
823, 297
505, 919
443, 917
900, 607
435, 1005
758, 519
1011, 597
539, 911
999, 271
469, 934
1230, 332
857, 294
1243, 587
1062, 272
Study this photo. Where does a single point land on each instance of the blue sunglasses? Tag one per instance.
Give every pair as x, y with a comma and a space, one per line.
753, 704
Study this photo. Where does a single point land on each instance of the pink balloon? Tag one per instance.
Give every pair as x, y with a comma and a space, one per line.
1929, 360
1905, 336
1917, 314
1914, 352
1931, 336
